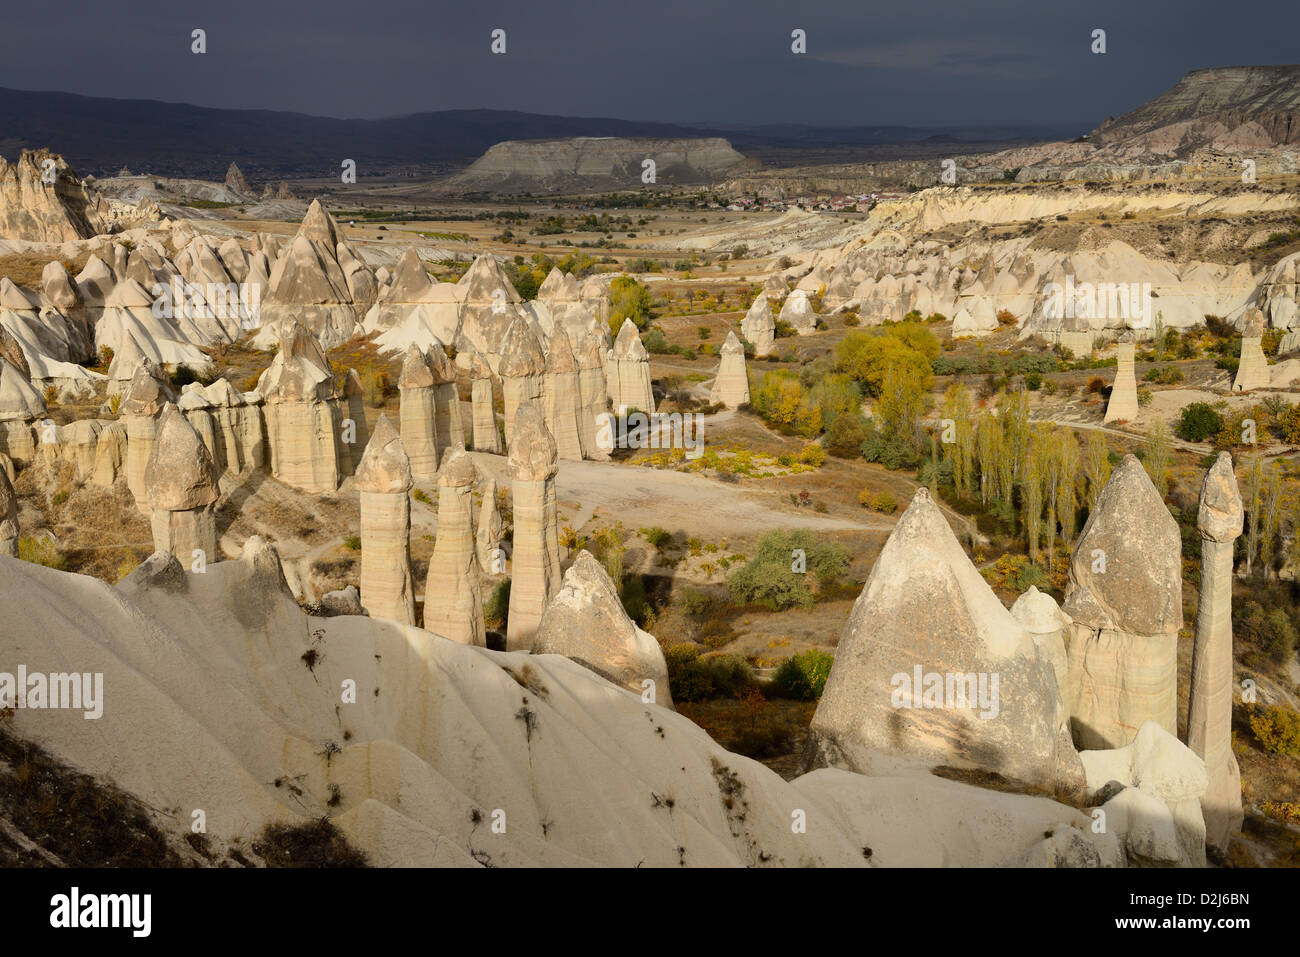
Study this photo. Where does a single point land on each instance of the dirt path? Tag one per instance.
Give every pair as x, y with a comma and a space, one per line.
677, 501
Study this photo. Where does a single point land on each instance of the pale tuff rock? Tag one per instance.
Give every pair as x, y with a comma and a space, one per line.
1209, 712
925, 608
34, 210
487, 540
482, 403
535, 564
759, 327
490, 304
126, 359
1252, 372
593, 391
418, 414
447, 730
345, 601
975, 318
798, 311
308, 285
384, 480
233, 259
628, 370
354, 403
142, 403
731, 384
522, 368
1124, 596
586, 622
8, 516
110, 454
774, 287
1123, 404
451, 431
181, 488
302, 413
1162, 767
95, 282
235, 180
229, 425
74, 444
560, 396
12, 352
407, 292
1040, 615
453, 594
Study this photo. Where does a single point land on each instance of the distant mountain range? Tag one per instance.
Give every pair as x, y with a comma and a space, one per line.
100, 136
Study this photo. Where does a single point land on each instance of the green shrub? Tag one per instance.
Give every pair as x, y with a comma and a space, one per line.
1198, 422
635, 601
692, 678
769, 578
803, 677
496, 610
41, 551
352, 542
655, 341
1277, 729
845, 436
656, 536
812, 454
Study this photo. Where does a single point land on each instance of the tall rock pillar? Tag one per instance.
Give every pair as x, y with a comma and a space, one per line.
181, 487
535, 565
453, 592
1209, 713
384, 480
1124, 393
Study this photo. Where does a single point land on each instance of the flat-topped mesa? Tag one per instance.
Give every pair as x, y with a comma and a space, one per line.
560, 395
1209, 712
522, 368
535, 565
418, 414
453, 592
384, 480
798, 311
933, 670
303, 413
1123, 404
8, 516
451, 430
1124, 596
482, 402
628, 371
586, 622
181, 488
1252, 370
759, 326
593, 391
142, 403
731, 384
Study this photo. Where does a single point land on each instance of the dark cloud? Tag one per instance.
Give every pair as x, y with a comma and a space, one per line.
917, 63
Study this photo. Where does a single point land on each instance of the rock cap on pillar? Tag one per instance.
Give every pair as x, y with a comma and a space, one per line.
533, 455
1220, 517
148, 392
180, 475
457, 470
416, 372
384, 468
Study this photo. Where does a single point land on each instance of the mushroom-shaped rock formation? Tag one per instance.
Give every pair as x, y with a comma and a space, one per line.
1209, 711
535, 564
523, 371
453, 594
181, 487
629, 372
419, 414
384, 480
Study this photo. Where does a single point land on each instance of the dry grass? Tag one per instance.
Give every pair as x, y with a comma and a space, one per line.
24, 269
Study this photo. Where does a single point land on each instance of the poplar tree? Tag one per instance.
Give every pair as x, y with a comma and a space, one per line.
1096, 466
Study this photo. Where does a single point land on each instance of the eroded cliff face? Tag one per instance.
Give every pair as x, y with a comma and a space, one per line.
42, 200
596, 162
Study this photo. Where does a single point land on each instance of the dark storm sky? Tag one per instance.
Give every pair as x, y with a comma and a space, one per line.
908, 62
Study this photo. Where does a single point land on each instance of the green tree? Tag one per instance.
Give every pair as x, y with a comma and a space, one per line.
1096, 466
1158, 453
628, 299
